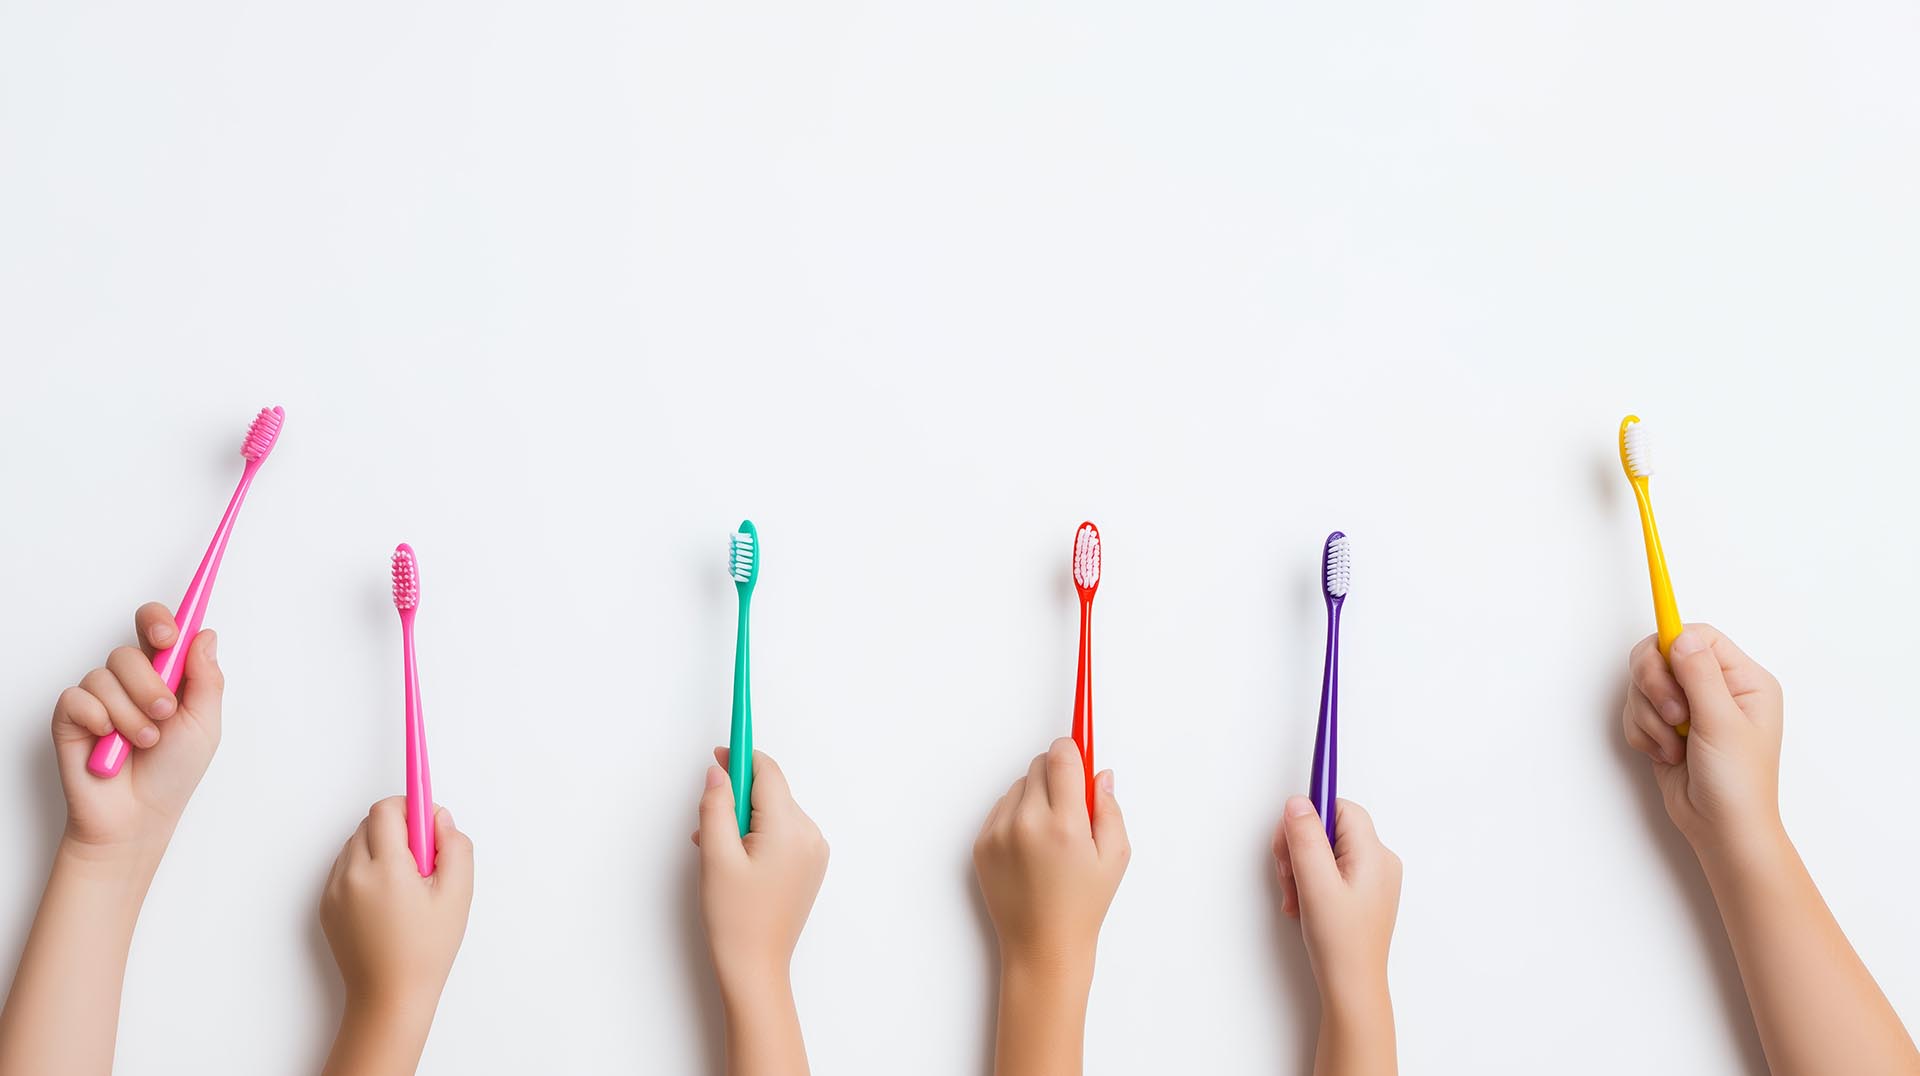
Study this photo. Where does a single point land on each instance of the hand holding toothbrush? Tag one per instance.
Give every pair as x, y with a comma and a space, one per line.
394, 935
111, 751
63, 1010
1346, 895
177, 736
755, 893
1722, 785
1817, 1008
1048, 881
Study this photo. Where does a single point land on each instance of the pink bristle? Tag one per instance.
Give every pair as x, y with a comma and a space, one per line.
406, 578
1086, 556
264, 431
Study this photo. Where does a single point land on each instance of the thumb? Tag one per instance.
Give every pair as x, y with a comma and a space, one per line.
1697, 668
719, 828
452, 856
202, 683
1314, 870
1109, 828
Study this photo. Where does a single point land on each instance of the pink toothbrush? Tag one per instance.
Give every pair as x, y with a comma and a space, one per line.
406, 598
110, 751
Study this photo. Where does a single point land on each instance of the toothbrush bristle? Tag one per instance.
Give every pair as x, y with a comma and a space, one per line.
406, 578
1339, 565
740, 556
1639, 451
264, 431
1086, 556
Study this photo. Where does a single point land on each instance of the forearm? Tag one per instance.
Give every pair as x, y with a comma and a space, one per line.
1356, 1033
1043, 1018
1814, 1003
380, 1038
63, 1011
763, 1026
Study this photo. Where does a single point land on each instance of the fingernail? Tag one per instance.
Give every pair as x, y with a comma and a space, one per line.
147, 737
213, 645
160, 634
1299, 805
1687, 642
161, 707
1106, 782
1673, 711
716, 777
449, 815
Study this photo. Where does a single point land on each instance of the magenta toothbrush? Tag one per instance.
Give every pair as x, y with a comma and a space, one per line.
406, 598
110, 751
1336, 570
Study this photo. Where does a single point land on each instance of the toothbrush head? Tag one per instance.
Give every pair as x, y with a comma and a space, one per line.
262, 434
406, 579
1636, 454
1336, 566
1086, 559
743, 555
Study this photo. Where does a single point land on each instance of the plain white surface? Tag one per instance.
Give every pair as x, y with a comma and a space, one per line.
558, 292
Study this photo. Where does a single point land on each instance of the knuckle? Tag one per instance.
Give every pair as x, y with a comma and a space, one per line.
125, 655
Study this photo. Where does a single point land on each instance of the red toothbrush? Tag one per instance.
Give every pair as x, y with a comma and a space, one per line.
1086, 579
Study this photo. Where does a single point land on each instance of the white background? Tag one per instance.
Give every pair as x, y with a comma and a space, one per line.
560, 291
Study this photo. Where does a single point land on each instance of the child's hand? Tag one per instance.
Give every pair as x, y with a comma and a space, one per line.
1722, 782
1345, 896
175, 738
755, 893
1047, 874
393, 933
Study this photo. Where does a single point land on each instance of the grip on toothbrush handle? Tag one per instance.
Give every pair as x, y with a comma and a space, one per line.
110, 751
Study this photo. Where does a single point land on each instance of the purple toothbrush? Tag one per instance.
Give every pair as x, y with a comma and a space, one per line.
1336, 564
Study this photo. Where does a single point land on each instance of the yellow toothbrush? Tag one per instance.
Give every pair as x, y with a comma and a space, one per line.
1635, 460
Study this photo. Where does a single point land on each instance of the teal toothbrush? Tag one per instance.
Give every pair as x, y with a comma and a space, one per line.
743, 561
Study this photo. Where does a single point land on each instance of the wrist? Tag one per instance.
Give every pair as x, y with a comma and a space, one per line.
1047, 974
1355, 1005
129, 865
381, 1034
1760, 846
1048, 965
748, 974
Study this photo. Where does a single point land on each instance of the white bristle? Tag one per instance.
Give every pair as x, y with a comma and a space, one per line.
740, 556
1339, 566
1086, 557
1639, 451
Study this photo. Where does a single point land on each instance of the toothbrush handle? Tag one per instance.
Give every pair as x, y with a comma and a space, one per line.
1324, 788
110, 751
419, 778
1666, 612
740, 739
1083, 699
